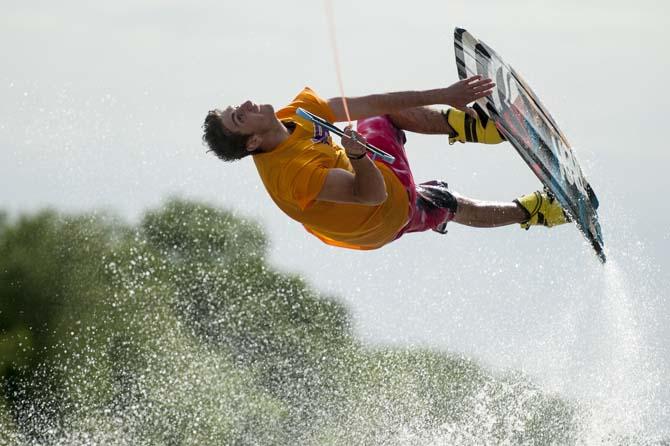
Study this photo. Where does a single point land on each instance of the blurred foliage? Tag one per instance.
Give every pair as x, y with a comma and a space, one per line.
176, 331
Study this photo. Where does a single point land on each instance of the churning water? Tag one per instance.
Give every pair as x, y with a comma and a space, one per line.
177, 331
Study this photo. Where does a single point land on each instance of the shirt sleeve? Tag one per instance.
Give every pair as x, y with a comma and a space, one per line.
305, 183
311, 102
303, 177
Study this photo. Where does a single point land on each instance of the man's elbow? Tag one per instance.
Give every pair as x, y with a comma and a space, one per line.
336, 106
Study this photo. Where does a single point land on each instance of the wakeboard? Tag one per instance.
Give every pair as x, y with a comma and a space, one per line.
522, 119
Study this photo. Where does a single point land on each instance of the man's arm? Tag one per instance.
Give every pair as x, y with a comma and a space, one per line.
364, 186
457, 95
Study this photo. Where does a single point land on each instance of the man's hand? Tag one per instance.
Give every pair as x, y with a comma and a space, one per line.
460, 94
353, 143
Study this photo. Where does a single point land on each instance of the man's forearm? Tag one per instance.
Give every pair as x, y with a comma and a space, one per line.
456, 95
369, 186
381, 104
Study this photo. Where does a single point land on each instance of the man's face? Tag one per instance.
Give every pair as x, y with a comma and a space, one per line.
248, 118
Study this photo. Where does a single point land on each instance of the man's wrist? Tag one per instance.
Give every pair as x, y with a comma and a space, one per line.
356, 157
434, 96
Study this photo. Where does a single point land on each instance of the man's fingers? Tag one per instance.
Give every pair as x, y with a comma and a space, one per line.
478, 79
352, 136
483, 84
471, 79
355, 136
483, 91
479, 90
477, 83
483, 94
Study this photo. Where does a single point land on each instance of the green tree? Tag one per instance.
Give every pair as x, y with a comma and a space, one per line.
176, 331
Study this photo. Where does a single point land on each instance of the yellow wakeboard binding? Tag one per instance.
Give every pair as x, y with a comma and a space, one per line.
543, 210
475, 127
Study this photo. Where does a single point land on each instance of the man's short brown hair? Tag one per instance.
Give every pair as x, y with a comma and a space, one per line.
227, 145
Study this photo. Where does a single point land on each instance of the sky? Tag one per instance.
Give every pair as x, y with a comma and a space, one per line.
101, 105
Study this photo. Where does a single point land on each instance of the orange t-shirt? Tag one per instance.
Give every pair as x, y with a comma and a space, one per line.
294, 173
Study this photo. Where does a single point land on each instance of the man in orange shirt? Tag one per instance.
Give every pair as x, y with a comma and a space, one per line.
344, 196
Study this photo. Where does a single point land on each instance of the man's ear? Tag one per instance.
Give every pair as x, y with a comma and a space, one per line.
253, 143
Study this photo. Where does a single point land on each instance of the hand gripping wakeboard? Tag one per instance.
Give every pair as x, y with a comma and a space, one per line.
522, 119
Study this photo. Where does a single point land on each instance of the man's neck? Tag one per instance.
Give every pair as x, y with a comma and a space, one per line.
275, 137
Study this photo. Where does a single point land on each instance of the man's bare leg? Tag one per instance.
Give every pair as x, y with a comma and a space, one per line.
476, 213
422, 120
488, 214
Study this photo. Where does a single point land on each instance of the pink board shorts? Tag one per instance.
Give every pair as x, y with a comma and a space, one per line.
431, 205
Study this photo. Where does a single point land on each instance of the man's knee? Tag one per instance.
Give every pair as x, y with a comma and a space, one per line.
436, 194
